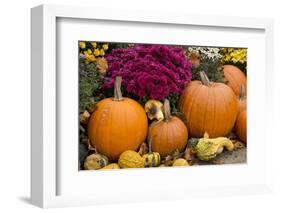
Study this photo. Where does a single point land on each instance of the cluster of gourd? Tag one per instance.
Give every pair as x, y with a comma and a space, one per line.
119, 125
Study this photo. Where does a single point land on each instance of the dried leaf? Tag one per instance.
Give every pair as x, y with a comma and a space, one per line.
169, 159
84, 117
188, 154
238, 144
90, 147
153, 108
194, 58
143, 149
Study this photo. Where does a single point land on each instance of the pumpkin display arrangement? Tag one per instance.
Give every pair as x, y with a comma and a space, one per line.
147, 106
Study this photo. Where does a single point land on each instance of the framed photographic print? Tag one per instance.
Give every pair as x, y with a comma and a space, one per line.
126, 102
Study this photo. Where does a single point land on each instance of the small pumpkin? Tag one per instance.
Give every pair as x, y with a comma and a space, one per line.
169, 134
131, 159
208, 107
117, 124
235, 78
241, 126
152, 159
180, 162
111, 166
95, 161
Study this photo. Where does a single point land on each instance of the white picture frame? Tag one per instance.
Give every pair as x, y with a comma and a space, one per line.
46, 160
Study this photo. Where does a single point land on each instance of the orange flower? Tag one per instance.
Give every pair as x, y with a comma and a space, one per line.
102, 65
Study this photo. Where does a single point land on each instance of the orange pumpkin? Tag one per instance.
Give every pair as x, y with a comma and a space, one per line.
235, 78
118, 124
242, 101
241, 125
208, 107
167, 135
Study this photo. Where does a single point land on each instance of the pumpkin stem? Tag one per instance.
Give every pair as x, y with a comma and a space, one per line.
204, 78
242, 92
167, 110
117, 89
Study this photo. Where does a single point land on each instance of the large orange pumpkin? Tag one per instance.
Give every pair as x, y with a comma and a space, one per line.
235, 78
242, 101
167, 135
118, 124
208, 107
241, 126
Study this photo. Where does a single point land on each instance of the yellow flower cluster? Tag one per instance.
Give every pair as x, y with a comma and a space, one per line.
92, 50
234, 55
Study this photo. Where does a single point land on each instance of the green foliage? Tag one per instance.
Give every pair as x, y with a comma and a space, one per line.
89, 84
173, 99
117, 45
211, 66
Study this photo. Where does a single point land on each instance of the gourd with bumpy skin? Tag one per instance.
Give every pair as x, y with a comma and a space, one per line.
235, 78
152, 159
111, 166
131, 159
117, 124
95, 161
180, 162
207, 148
169, 134
241, 126
208, 107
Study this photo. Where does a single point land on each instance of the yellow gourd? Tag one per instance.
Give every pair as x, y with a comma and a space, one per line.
111, 166
207, 148
152, 159
180, 162
131, 159
95, 161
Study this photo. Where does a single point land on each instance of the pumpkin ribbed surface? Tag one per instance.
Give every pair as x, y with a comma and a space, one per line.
168, 136
116, 126
208, 108
241, 126
235, 78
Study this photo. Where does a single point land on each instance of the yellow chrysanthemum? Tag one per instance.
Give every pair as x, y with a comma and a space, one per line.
94, 44
234, 55
102, 52
90, 51
82, 45
105, 46
96, 52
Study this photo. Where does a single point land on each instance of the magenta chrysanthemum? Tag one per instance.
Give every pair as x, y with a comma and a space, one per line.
154, 71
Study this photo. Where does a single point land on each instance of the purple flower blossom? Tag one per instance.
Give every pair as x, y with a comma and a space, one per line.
154, 71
